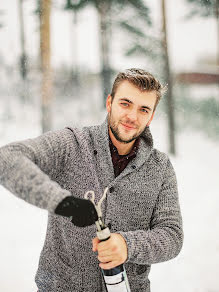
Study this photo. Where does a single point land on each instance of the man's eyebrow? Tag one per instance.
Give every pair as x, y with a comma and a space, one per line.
129, 101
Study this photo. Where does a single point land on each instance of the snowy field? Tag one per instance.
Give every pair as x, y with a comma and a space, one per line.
196, 269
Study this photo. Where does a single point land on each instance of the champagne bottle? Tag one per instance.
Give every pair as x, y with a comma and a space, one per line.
115, 279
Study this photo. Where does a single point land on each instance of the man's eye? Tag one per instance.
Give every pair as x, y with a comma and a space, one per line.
144, 110
125, 104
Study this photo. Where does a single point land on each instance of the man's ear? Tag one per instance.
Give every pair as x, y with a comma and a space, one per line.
148, 124
108, 103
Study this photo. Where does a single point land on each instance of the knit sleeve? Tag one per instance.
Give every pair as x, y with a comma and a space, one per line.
26, 168
163, 241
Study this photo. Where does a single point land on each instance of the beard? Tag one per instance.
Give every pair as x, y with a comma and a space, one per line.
117, 134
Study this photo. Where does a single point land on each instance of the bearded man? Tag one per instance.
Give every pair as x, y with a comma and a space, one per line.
141, 209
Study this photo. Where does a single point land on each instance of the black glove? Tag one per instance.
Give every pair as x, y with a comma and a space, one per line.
82, 211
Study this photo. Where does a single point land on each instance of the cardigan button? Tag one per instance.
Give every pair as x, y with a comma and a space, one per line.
112, 189
109, 225
133, 166
95, 152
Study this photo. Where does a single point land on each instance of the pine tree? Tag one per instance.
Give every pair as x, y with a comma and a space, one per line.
105, 9
206, 9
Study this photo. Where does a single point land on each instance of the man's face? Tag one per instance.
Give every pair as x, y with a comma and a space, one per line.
130, 111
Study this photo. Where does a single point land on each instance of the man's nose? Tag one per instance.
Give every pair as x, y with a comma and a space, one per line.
132, 115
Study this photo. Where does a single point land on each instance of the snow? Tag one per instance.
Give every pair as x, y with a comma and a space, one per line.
23, 226
195, 269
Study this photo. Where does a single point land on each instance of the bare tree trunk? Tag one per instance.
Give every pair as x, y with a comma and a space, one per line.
217, 21
24, 94
23, 58
104, 8
170, 100
46, 86
75, 70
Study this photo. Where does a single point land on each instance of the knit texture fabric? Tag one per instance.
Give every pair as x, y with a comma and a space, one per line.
142, 204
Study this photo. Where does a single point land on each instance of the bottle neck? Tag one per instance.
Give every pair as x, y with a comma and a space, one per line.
103, 234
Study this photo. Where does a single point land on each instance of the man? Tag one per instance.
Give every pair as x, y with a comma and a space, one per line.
55, 170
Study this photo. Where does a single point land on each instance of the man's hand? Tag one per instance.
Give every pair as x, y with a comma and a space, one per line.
82, 211
112, 252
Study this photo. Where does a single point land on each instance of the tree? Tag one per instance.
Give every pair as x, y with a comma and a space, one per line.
206, 8
46, 85
1, 23
167, 74
75, 69
23, 57
140, 43
105, 11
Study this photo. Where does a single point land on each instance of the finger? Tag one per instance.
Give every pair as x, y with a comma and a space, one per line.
106, 259
95, 242
104, 246
104, 253
108, 266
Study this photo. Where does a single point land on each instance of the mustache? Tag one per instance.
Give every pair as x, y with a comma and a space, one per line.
129, 123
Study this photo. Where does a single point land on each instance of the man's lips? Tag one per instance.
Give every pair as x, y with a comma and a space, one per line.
127, 126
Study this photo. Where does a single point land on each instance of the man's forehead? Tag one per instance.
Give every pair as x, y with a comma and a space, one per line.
126, 85
129, 91
128, 88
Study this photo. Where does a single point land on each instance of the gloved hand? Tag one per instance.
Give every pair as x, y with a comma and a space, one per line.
82, 211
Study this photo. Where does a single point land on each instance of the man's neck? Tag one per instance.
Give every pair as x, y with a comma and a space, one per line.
122, 148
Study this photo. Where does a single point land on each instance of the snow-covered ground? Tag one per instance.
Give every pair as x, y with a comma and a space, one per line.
196, 269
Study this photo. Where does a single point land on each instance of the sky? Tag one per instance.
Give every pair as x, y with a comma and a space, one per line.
187, 38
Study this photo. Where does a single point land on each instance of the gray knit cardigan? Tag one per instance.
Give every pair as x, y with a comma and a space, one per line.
142, 204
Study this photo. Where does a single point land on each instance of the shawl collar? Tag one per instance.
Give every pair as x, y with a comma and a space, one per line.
144, 151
